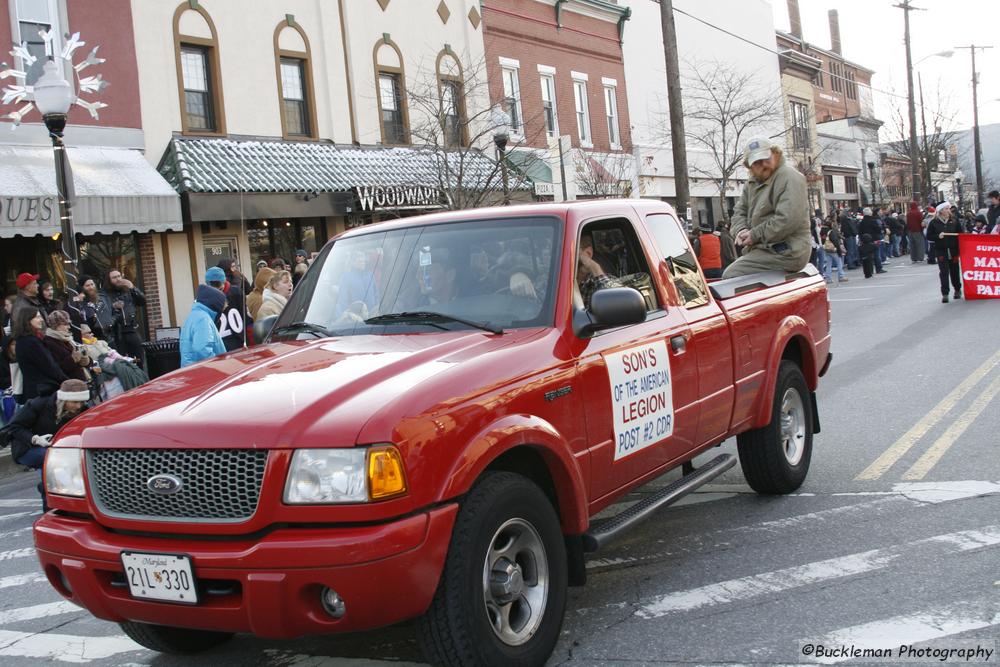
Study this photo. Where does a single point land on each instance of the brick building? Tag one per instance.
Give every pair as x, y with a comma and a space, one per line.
121, 202
558, 71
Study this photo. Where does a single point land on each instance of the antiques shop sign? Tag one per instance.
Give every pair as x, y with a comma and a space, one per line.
374, 198
26, 210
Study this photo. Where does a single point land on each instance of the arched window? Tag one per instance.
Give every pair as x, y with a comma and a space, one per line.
199, 82
390, 91
451, 87
295, 90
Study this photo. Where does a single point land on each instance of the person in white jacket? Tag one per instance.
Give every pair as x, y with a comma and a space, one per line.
276, 294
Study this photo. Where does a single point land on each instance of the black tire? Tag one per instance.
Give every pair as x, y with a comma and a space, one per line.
456, 631
766, 463
177, 641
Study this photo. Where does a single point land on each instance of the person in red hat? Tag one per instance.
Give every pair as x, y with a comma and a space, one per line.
27, 295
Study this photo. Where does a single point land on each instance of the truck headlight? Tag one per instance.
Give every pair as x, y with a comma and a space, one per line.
325, 476
64, 472
357, 475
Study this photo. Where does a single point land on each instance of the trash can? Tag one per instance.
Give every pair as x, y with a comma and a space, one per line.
162, 356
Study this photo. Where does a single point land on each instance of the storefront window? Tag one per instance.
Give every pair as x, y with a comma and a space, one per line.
281, 238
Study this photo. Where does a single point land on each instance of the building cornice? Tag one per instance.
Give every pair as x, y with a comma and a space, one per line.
830, 54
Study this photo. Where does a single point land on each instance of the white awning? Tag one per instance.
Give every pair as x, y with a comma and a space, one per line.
116, 191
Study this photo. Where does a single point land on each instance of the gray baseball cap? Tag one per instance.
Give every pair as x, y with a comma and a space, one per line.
758, 149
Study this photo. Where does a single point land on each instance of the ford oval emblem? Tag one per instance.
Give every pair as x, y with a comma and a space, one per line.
164, 484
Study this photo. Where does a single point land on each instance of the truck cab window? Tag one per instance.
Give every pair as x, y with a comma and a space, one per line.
691, 288
609, 255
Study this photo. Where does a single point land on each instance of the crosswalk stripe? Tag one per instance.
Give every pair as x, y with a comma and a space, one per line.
912, 629
20, 502
744, 588
17, 515
20, 580
37, 611
66, 648
15, 533
17, 553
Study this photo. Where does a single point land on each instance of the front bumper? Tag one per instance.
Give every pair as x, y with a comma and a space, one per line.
268, 586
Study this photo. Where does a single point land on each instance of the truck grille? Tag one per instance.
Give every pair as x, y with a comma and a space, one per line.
216, 485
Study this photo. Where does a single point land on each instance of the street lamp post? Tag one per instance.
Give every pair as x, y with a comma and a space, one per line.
501, 135
53, 97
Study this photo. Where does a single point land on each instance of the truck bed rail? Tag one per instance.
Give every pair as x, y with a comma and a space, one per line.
730, 287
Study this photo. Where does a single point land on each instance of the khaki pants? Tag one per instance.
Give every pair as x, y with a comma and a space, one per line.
764, 259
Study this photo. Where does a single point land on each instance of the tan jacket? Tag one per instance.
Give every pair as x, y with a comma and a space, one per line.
272, 304
777, 211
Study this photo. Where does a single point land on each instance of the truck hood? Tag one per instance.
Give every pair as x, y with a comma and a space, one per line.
286, 395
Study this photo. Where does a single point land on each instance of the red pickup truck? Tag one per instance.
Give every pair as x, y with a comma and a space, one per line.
436, 416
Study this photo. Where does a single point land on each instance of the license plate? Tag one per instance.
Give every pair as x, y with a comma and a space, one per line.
163, 577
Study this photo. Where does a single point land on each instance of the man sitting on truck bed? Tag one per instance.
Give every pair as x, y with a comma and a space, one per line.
771, 218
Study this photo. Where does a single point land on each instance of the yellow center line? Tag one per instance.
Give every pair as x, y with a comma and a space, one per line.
930, 458
926, 423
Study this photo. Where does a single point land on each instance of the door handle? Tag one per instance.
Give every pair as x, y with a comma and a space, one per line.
678, 343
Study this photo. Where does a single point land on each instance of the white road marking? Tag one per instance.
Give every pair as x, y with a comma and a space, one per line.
920, 429
912, 629
15, 533
20, 502
37, 611
930, 458
20, 580
875, 286
18, 515
839, 300
942, 492
65, 648
768, 583
17, 553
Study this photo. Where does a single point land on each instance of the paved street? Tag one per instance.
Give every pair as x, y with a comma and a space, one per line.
893, 539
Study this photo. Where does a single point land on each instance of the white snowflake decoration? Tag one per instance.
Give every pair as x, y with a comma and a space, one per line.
15, 93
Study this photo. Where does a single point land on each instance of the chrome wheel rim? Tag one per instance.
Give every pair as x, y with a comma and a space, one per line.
793, 426
515, 582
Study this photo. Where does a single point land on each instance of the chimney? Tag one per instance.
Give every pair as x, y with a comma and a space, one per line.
794, 19
835, 32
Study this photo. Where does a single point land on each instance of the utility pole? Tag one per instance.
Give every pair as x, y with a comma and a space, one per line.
677, 135
914, 167
976, 145
925, 163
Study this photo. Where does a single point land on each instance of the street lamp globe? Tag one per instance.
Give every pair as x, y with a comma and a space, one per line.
501, 127
53, 97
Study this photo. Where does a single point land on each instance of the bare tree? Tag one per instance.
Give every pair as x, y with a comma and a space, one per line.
936, 140
604, 176
723, 108
453, 126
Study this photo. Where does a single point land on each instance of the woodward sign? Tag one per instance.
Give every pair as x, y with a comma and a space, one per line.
980, 255
378, 197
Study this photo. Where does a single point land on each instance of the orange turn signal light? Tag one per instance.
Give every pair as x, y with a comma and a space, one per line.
386, 478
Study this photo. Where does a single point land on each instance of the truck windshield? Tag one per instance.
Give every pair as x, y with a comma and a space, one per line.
486, 274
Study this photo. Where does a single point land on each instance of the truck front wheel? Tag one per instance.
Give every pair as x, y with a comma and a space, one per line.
166, 639
502, 593
775, 458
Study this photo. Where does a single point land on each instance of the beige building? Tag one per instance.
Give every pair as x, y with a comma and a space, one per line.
282, 122
798, 72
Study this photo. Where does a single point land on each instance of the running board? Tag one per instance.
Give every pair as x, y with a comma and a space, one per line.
604, 532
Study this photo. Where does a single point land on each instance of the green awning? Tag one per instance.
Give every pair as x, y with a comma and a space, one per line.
528, 163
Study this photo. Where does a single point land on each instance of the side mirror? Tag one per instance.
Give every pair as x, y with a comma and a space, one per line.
263, 327
612, 307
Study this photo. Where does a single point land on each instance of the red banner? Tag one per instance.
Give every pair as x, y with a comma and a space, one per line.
980, 255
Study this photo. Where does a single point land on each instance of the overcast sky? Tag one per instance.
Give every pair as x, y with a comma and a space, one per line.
871, 33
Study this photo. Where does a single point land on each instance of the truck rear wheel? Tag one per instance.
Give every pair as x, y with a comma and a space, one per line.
165, 639
502, 593
775, 458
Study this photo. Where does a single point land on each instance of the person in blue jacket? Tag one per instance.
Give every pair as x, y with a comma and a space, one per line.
200, 336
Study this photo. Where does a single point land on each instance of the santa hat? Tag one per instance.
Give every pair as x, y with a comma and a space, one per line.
73, 390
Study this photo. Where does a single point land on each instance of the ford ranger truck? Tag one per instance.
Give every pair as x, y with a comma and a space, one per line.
427, 431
